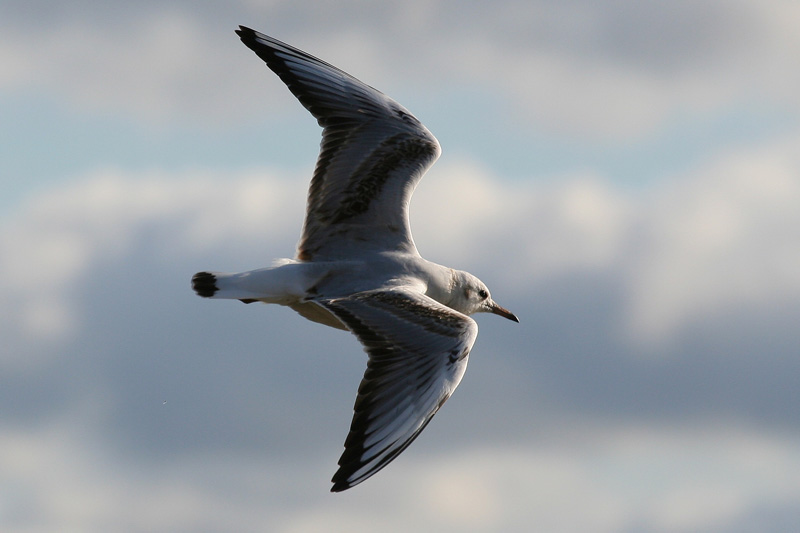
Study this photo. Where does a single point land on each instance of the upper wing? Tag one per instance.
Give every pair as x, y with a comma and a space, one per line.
418, 351
372, 155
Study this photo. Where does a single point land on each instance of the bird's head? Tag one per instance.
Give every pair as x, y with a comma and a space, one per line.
471, 295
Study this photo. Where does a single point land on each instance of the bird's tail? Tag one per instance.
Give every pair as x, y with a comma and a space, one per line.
281, 284
219, 285
205, 284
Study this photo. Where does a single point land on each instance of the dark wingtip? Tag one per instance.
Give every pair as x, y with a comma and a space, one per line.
244, 31
340, 482
205, 284
339, 487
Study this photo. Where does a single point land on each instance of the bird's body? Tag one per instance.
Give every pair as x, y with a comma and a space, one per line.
298, 284
356, 266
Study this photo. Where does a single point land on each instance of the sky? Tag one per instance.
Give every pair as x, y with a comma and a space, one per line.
624, 175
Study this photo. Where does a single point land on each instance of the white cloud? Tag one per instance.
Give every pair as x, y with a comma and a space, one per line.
155, 67
713, 251
618, 68
463, 214
603, 480
723, 235
623, 68
56, 478
722, 238
49, 244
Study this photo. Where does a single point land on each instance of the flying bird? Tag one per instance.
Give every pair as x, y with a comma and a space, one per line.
356, 266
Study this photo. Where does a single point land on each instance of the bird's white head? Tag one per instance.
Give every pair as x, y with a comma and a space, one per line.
470, 295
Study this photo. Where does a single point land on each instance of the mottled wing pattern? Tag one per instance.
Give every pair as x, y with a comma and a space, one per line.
418, 351
372, 155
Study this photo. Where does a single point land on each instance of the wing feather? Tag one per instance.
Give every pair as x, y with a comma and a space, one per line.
373, 153
418, 351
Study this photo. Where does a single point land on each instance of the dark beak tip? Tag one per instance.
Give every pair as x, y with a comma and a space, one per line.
505, 313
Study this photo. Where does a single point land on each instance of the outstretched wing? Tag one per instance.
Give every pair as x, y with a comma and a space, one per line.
372, 155
418, 351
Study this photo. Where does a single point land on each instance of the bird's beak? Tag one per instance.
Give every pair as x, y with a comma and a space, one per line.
502, 311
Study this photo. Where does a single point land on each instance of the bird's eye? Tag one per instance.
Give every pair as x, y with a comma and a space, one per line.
483, 294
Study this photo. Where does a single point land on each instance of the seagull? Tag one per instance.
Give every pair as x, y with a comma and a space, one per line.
356, 266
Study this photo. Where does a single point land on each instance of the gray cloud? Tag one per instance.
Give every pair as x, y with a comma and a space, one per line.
652, 378
616, 67
254, 383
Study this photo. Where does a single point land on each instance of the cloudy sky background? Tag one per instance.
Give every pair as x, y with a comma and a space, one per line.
625, 175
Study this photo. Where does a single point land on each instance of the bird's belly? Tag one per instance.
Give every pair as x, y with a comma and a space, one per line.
317, 313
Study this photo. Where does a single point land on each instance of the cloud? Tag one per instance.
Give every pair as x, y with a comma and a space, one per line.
723, 238
653, 377
156, 66
54, 477
624, 478
616, 68
100, 328
62, 235
678, 257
